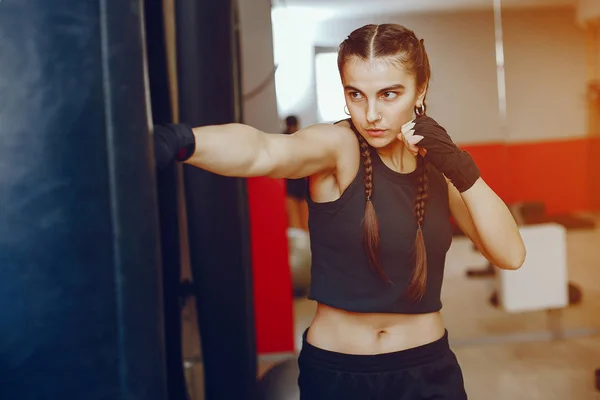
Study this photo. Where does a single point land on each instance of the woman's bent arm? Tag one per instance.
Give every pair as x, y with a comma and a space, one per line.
487, 221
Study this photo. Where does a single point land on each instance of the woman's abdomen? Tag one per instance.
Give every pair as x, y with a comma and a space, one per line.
372, 333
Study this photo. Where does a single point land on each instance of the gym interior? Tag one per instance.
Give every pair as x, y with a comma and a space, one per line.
122, 282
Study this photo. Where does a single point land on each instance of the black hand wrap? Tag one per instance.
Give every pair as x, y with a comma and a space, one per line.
447, 157
173, 142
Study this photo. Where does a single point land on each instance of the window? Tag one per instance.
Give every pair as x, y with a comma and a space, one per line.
330, 94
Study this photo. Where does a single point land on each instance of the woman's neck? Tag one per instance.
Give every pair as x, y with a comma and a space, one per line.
397, 157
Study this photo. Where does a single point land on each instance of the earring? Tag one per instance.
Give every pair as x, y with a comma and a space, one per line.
420, 110
346, 111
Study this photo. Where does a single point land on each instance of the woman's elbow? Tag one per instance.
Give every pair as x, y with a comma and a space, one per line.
515, 259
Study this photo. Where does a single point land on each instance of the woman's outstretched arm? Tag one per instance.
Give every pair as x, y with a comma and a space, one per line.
243, 151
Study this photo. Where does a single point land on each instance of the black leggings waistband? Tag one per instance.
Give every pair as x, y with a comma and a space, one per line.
396, 360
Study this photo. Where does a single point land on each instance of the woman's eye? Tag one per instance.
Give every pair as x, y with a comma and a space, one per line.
355, 95
390, 95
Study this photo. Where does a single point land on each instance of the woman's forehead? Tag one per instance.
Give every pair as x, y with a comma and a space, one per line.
374, 75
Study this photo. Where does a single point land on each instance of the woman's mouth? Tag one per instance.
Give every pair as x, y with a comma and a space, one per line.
376, 133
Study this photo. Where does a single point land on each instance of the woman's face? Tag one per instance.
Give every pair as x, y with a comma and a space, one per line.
381, 97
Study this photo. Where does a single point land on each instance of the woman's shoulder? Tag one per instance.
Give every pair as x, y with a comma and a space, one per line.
342, 128
346, 123
338, 134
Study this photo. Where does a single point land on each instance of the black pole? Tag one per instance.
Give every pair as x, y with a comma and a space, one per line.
217, 206
80, 289
160, 99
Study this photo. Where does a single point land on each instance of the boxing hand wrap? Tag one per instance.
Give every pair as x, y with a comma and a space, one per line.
173, 142
456, 164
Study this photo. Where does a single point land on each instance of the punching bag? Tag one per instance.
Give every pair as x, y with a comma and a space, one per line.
217, 206
80, 294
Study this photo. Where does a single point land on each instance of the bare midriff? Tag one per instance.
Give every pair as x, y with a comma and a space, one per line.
347, 332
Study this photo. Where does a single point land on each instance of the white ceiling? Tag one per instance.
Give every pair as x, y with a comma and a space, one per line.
384, 6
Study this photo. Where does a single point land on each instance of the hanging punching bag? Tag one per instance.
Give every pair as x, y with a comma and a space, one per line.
80, 294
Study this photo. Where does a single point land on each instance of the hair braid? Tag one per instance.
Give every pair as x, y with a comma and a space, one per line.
416, 289
370, 222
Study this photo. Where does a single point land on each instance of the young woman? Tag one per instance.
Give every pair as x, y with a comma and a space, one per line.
383, 186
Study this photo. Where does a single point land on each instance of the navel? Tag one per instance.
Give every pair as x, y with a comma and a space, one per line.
380, 334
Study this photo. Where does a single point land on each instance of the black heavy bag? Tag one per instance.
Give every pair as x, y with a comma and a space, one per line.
80, 294
217, 206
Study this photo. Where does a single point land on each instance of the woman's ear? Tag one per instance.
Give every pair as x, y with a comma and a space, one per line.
422, 93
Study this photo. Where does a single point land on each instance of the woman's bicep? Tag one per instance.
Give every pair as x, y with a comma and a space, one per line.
309, 151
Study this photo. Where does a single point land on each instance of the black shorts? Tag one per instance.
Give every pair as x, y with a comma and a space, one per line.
428, 372
296, 188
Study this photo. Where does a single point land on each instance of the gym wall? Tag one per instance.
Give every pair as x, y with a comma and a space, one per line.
294, 56
258, 85
546, 82
587, 10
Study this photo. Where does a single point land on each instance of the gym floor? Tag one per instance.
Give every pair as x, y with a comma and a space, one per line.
510, 356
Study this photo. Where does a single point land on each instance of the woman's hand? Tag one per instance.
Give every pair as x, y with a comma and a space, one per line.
456, 164
410, 140
172, 142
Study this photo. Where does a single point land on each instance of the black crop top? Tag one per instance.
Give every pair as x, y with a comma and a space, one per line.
340, 273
